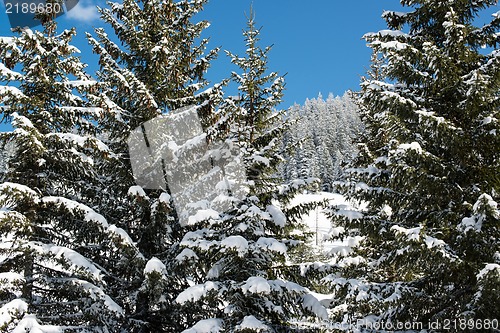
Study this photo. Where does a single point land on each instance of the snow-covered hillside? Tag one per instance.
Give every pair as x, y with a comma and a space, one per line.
321, 225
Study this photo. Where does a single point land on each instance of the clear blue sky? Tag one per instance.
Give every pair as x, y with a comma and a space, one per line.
317, 43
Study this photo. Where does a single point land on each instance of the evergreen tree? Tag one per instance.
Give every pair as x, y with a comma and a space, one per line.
237, 257
58, 255
158, 68
429, 170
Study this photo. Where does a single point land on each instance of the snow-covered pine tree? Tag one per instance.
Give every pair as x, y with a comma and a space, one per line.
157, 66
58, 255
429, 170
236, 259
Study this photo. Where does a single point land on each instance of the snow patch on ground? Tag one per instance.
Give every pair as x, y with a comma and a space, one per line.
321, 225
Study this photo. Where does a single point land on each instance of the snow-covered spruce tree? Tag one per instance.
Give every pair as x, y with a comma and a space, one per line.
58, 255
429, 170
236, 259
157, 66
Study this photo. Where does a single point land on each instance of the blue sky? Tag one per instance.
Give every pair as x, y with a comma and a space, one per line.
317, 43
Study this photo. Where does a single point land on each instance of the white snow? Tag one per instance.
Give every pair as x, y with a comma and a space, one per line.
256, 285
81, 83
278, 217
21, 121
89, 213
154, 265
411, 234
7, 40
155, 49
409, 146
475, 222
394, 45
89, 216
395, 13
25, 190
9, 277
8, 90
73, 258
206, 326
12, 309
260, 159
490, 203
431, 242
487, 269
202, 215
391, 33
289, 286
349, 213
196, 292
97, 294
237, 243
252, 323
415, 234
319, 223
214, 271
137, 191
71, 137
29, 323
271, 244
164, 198
185, 255
197, 239
312, 304
487, 120
122, 234
80, 141
8, 73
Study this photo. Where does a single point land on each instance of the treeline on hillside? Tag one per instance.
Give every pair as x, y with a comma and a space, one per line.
326, 131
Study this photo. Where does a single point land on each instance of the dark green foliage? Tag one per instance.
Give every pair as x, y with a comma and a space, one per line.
429, 167
239, 259
57, 253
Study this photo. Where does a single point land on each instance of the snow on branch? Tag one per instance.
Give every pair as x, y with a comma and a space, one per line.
211, 325
195, 293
